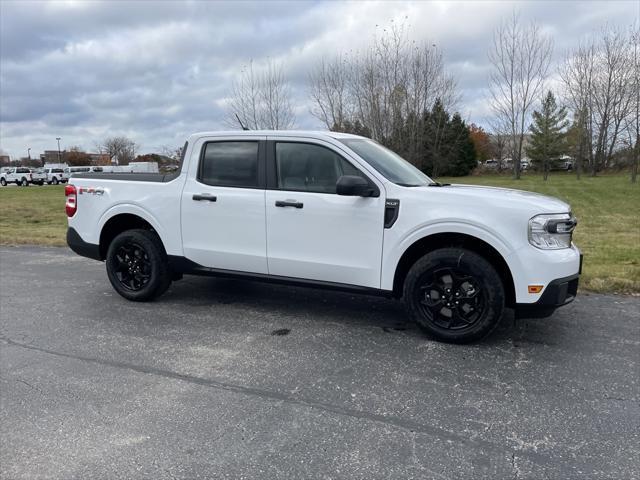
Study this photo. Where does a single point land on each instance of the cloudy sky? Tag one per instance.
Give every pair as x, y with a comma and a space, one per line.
159, 70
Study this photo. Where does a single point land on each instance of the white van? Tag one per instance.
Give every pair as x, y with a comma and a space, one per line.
86, 169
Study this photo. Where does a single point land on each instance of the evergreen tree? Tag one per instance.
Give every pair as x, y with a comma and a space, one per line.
435, 125
547, 137
462, 155
447, 145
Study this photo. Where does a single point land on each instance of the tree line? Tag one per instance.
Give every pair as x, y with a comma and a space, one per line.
398, 92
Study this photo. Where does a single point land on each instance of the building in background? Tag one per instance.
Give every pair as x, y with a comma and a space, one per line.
52, 156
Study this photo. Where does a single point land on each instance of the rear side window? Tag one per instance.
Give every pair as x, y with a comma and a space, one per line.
56, 170
230, 164
310, 168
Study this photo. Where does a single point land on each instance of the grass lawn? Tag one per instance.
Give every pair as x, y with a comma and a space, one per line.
33, 215
608, 232
607, 207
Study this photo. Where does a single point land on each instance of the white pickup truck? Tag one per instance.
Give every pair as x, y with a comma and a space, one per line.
329, 210
18, 175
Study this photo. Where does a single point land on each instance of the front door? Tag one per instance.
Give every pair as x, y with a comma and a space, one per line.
313, 233
223, 209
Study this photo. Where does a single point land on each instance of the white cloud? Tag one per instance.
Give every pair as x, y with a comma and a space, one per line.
157, 71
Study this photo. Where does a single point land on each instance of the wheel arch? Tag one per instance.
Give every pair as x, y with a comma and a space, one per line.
119, 223
435, 241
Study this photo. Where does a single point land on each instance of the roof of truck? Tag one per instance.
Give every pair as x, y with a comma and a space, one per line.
279, 133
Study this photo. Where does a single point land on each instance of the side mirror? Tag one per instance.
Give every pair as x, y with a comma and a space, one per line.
353, 186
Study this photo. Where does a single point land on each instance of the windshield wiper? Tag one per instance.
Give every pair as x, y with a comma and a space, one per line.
438, 184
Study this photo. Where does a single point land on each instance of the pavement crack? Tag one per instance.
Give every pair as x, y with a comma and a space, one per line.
32, 387
404, 424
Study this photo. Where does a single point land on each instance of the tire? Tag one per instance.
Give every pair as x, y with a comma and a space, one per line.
3, 182
24, 182
445, 276
137, 265
54, 181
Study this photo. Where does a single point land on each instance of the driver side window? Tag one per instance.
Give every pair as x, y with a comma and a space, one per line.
310, 168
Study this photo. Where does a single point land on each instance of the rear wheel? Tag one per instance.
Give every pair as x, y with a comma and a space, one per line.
54, 181
24, 182
455, 295
137, 265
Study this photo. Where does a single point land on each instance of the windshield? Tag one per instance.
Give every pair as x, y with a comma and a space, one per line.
391, 165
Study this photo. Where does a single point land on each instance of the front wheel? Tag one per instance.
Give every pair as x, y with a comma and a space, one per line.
455, 295
3, 182
137, 265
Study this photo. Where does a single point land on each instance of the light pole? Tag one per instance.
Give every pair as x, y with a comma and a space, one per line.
29, 153
59, 158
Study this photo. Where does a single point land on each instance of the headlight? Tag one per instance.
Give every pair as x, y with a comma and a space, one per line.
552, 231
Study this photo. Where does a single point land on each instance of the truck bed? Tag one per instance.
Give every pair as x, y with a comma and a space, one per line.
130, 177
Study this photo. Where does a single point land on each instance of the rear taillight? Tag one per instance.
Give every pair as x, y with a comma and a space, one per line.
71, 196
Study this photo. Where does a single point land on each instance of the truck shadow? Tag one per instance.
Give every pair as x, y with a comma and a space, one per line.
296, 304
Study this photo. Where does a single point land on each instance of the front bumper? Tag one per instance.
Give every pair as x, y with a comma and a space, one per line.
558, 293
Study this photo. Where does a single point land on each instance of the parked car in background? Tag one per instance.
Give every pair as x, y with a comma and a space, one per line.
55, 176
39, 176
17, 175
491, 164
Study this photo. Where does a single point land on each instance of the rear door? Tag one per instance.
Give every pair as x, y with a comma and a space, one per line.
223, 209
313, 233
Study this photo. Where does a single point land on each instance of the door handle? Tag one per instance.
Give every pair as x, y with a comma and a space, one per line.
205, 196
288, 203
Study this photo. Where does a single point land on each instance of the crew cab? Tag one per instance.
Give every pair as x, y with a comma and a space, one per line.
330, 210
55, 176
18, 175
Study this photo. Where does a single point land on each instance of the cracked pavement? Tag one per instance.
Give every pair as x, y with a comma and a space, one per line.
233, 379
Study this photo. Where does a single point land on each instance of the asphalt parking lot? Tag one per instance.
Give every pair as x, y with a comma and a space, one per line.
231, 379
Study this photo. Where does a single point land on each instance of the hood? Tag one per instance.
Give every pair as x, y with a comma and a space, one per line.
503, 197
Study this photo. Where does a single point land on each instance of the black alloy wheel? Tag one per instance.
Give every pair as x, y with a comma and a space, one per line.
133, 267
454, 294
137, 265
451, 299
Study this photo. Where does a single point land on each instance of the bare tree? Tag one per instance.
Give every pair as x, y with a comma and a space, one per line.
386, 88
500, 143
520, 56
76, 157
261, 99
599, 79
632, 124
121, 150
577, 73
330, 92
